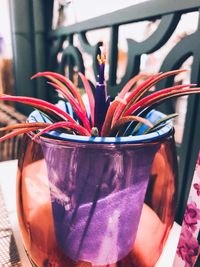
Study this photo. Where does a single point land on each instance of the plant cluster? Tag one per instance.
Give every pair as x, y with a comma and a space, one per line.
127, 111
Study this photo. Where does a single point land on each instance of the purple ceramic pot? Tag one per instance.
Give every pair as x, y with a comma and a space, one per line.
97, 193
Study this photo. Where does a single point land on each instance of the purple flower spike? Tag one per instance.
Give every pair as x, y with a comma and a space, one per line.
102, 102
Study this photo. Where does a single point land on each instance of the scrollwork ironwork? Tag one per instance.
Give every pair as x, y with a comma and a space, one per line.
169, 14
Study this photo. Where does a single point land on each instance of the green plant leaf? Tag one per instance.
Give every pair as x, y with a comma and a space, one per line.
160, 123
124, 120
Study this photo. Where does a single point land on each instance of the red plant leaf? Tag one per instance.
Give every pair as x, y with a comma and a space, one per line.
56, 81
144, 102
66, 81
64, 124
42, 105
122, 106
141, 89
83, 117
108, 119
18, 132
156, 79
89, 94
24, 125
130, 84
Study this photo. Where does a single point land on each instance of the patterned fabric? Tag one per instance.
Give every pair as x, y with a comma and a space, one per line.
188, 248
8, 251
9, 149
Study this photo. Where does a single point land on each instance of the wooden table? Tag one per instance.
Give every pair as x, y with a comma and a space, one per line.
8, 171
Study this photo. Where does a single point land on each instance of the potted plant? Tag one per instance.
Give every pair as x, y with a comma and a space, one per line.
84, 171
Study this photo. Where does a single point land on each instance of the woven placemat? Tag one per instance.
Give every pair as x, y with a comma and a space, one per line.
9, 149
9, 255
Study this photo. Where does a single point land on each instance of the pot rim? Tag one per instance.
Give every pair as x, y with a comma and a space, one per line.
158, 135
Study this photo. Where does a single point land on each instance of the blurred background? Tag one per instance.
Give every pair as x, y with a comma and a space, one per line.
6, 77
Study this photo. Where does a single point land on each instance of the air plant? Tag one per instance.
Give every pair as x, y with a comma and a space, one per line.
129, 107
